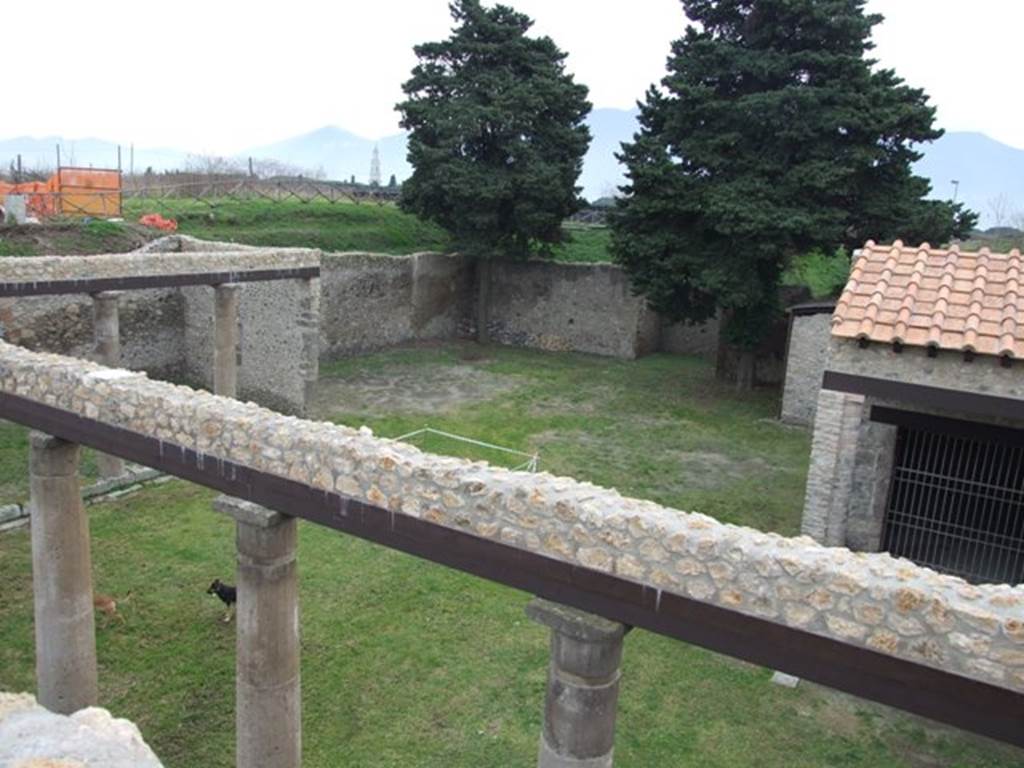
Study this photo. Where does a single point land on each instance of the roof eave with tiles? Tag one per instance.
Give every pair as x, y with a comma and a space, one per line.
937, 298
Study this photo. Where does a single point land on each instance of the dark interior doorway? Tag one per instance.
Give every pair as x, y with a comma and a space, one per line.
956, 503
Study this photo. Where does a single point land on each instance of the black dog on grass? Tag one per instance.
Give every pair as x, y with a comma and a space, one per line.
226, 593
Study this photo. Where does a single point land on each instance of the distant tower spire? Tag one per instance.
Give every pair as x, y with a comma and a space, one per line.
375, 168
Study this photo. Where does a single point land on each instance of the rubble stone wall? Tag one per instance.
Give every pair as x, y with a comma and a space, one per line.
168, 332
570, 307
151, 322
806, 360
372, 301
864, 599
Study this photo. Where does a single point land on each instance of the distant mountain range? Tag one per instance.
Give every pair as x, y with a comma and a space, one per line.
990, 174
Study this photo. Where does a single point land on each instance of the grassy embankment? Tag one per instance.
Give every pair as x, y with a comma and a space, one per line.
331, 227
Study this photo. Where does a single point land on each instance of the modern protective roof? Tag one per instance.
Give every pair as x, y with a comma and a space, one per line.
942, 298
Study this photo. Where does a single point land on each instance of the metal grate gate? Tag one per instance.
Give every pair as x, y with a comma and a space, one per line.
956, 504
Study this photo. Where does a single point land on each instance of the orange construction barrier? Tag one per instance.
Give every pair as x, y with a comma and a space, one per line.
71, 192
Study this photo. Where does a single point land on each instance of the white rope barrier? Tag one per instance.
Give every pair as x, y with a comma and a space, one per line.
530, 465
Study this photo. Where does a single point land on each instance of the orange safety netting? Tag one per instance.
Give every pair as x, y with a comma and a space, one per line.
40, 197
156, 221
72, 192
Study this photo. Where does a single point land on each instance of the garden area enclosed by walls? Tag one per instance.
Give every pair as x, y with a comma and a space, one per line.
407, 663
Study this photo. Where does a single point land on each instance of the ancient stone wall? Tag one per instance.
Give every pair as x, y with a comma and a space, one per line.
372, 301
278, 341
869, 600
806, 358
168, 332
151, 322
367, 302
570, 307
687, 339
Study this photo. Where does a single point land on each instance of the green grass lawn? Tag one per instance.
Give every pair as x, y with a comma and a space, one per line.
14, 464
406, 663
587, 244
342, 226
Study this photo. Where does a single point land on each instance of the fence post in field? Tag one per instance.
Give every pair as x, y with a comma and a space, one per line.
225, 339
107, 351
65, 630
583, 687
268, 713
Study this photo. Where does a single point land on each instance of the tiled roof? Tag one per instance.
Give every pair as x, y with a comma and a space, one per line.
967, 301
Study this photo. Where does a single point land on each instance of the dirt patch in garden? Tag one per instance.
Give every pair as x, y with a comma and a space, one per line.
707, 469
420, 389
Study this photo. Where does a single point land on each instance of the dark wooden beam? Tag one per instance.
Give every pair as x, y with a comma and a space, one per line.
812, 308
137, 282
928, 422
938, 398
934, 693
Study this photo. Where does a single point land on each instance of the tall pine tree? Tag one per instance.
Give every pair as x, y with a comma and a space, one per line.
496, 138
772, 134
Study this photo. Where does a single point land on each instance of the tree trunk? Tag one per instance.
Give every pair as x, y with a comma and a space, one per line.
745, 370
483, 301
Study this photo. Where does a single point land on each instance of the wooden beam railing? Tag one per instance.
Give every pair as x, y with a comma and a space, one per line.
138, 282
949, 698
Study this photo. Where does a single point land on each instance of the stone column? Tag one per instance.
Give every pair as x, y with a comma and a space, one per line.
583, 687
225, 339
65, 629
107, 351
268, 720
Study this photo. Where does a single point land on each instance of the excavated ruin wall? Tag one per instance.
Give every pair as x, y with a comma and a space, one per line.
372, 301
168, 332
364, 302
869, 600
151, 322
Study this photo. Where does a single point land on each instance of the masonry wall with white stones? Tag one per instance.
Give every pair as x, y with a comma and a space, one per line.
871, 600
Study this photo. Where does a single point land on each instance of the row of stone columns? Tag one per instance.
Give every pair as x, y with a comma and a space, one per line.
107, 349
583, 675
586, 650
61, 565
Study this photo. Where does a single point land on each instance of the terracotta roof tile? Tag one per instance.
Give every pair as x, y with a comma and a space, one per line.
935, 297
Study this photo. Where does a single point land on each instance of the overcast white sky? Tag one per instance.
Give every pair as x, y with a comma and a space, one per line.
220, 76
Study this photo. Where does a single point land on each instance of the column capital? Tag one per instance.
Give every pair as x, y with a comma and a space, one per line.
107, 295
574, 623
51, 456
249, 513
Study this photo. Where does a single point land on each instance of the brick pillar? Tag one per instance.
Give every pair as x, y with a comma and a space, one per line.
107, 351
65, 629
268, 717
837, 427
225, 339
583, 687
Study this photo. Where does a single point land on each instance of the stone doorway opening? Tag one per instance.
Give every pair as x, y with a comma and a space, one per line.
956, 501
